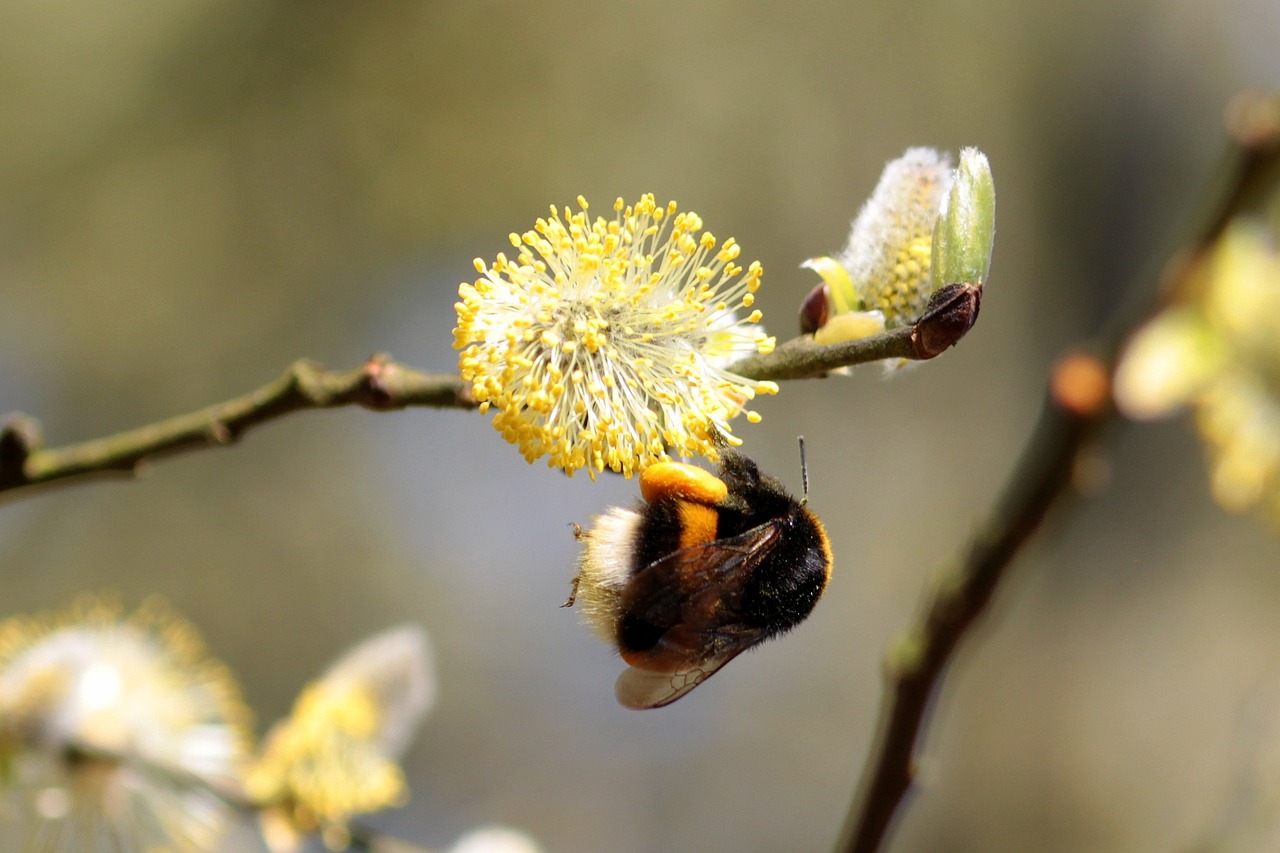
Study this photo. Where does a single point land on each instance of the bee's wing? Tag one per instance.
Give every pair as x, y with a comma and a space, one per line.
693, 595
645, 688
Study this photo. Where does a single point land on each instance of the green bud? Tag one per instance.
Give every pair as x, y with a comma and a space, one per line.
966, 230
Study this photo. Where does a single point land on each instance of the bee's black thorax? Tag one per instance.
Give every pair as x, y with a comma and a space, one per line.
783, 589
754, 498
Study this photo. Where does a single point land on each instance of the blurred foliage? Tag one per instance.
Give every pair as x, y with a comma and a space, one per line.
194, 194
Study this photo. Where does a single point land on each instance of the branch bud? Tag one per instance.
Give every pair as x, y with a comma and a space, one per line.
950, 314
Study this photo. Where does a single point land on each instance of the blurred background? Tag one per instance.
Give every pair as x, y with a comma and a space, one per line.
194, 194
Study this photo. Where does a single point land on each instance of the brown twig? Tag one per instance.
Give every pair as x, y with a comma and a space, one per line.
801, 358
1071, 417
379, 384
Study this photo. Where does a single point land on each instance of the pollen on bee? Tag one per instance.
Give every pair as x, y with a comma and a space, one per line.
677, 479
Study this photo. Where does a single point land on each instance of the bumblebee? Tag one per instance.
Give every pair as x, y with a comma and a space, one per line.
705, 567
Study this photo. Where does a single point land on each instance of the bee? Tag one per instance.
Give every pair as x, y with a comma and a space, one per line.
705, 567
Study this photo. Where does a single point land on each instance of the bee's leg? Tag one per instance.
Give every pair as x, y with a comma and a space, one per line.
579, 534
573, 593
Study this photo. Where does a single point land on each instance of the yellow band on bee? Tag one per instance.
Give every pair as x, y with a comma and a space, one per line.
676, 479
697, 524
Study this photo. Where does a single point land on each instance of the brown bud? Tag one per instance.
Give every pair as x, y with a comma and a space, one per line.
20, 436
815, 309
950, 314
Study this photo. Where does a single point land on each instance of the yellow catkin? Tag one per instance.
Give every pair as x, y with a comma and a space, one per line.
640, 311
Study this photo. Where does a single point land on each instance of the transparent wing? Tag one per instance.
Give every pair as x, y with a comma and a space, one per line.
644, 688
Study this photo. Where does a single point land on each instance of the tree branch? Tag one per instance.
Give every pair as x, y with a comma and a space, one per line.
801, 358
383, 385
379, 384
1077, 406
916, 665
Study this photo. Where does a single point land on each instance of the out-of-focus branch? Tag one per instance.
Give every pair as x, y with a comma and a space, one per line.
916, 665
381, 384
367, 840
1077, 406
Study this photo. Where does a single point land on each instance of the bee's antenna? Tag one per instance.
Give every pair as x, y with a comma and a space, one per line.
804, 473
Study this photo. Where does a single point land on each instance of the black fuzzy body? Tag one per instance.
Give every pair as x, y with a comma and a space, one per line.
772, 593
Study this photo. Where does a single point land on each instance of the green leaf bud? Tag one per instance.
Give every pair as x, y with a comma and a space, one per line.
966, 229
